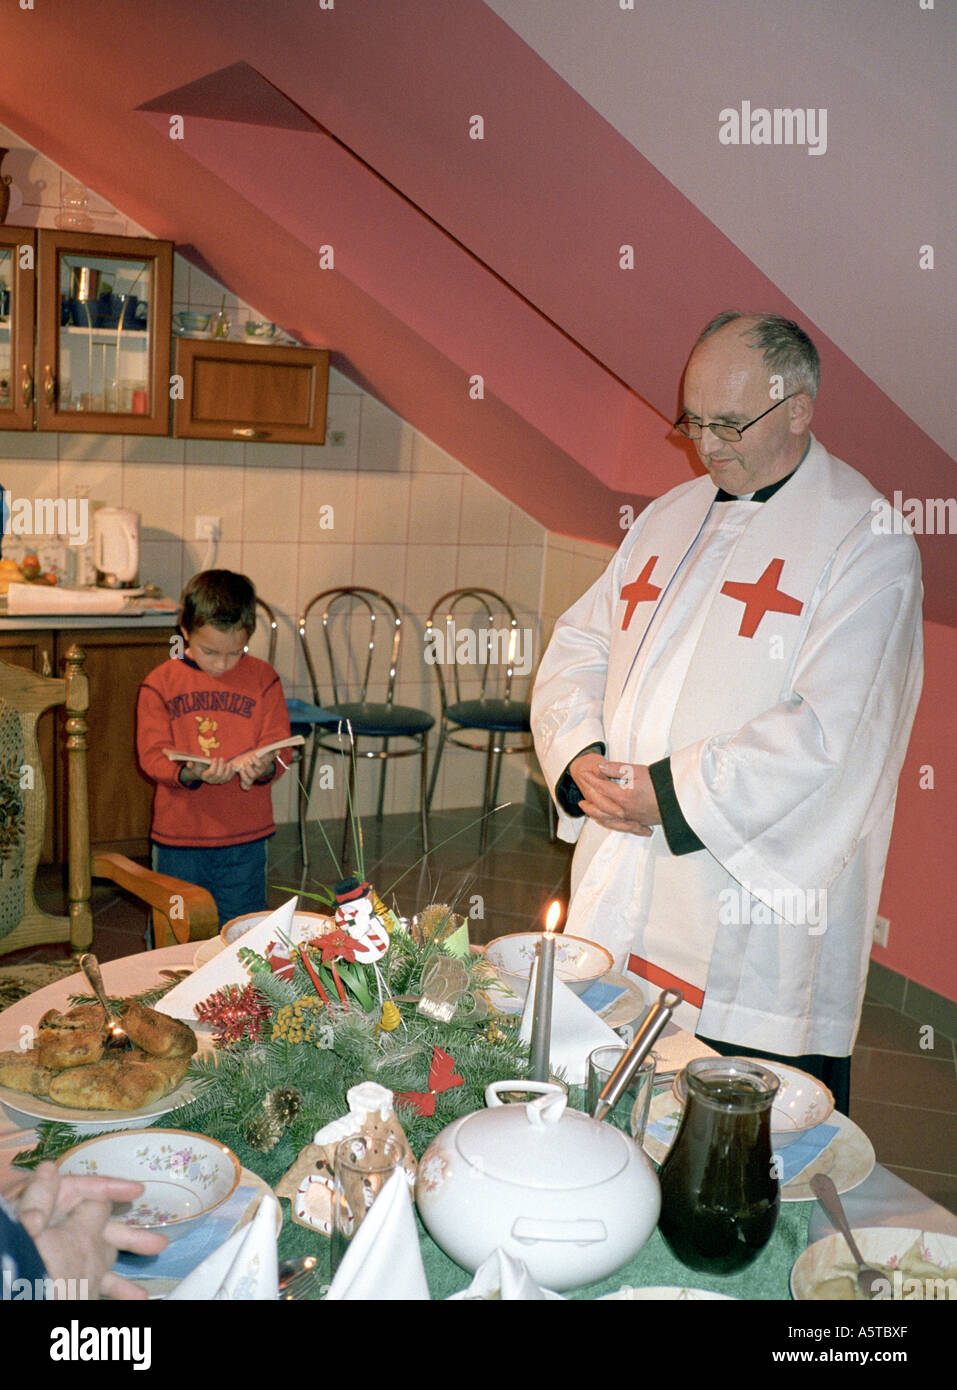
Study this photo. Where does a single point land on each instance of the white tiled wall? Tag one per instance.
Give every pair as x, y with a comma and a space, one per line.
406, 517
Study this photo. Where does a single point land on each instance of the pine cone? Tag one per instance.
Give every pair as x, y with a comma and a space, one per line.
263, 1132
283, 1104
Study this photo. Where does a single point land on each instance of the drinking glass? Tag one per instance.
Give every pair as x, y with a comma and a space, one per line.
362, 1167
631, 1111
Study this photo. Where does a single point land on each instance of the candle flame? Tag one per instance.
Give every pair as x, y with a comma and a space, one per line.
553, 916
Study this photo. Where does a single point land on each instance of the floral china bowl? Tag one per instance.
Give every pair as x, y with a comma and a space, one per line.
802, 1102
578, 962
185, 1176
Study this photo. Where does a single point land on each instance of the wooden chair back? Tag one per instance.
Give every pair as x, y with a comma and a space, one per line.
24, 697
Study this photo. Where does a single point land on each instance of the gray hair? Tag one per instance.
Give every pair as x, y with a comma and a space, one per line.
787, 350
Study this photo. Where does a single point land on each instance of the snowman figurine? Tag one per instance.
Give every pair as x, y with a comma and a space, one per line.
356, 914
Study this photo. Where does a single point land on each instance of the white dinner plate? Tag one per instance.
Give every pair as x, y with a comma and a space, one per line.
848, 1160
666, 1293
94, 1121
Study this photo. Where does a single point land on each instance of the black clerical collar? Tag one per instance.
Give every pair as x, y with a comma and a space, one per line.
762, 494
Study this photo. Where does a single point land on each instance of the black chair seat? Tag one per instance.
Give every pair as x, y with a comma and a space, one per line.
494, 716
382, 721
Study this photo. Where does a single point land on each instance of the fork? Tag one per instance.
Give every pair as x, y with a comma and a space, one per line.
117, 1036
826, 1193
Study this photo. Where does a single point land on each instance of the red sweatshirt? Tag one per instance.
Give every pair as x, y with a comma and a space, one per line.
181, 707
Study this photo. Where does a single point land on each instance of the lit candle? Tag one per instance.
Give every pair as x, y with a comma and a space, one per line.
542, 1006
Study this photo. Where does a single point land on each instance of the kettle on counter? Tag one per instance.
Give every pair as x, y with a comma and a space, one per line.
116, 547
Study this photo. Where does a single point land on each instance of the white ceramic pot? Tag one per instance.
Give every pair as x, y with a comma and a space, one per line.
573, 1198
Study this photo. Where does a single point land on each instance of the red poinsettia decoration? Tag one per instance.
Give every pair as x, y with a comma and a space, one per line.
234, 1013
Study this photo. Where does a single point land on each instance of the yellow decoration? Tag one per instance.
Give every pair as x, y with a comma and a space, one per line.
391, 1018
298, 1022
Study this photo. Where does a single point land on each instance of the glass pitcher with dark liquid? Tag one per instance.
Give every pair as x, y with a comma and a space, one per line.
719, 1189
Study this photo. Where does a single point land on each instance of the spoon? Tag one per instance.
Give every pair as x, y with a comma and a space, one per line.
118, 1037
826, 1193
297, 1278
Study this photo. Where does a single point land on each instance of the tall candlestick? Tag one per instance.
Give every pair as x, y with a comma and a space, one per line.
542, 1009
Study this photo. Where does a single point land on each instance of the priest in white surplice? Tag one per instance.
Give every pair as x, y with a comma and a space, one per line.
723, 717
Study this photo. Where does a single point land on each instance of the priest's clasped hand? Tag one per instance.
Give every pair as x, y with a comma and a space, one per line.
619, 796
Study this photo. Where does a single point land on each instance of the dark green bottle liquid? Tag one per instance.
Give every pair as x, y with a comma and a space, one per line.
719, 1192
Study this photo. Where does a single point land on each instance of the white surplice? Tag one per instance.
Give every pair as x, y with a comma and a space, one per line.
786, 727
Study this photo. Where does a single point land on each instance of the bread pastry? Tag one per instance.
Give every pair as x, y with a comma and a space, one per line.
70, 1047
117, 1084
72, 1063
156, 1033
24, 1072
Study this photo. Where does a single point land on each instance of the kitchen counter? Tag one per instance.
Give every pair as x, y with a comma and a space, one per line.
69, 622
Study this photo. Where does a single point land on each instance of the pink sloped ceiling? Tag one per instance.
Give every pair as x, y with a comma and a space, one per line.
504, 249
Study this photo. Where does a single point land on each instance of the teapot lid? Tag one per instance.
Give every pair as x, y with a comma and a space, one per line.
543, 1145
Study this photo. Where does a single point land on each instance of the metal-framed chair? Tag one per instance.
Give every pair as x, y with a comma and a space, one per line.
488, 709
353, 665
183, 909
272, 626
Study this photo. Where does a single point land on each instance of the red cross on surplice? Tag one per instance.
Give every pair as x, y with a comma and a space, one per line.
640, 590
761, 598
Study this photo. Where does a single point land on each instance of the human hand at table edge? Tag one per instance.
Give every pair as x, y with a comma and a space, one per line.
618, 796
69, 1219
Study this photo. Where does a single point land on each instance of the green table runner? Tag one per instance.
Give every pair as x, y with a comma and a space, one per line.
765, 1278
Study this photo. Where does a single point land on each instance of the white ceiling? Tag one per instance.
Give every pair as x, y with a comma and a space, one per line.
840, 232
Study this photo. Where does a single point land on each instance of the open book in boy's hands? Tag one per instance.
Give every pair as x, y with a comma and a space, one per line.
291, 742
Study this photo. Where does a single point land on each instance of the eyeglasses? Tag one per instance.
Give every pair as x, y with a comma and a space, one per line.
691, 429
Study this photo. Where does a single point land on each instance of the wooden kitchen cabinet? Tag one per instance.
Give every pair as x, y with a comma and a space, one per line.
250, 391
84, 344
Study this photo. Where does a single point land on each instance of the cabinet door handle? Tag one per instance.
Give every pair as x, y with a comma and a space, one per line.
46, 667
26, 384
249, 433
49, 384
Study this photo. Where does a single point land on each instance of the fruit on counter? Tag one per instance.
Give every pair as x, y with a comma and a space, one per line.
49, 578
30, 566
9, 574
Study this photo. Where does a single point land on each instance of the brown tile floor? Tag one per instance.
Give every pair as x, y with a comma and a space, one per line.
904, 1081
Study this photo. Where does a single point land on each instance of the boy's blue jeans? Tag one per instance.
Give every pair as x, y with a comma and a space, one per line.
234, 874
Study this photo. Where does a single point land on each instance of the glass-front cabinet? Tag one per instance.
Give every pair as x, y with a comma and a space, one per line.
84, 332
17, 304
103, 333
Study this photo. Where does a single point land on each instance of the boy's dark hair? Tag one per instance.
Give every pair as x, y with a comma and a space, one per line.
221, 598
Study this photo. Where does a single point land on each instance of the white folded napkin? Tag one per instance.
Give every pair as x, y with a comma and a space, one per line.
503, 1277
383, 1261
576, 1030
48, 598
226, 968
244, 1267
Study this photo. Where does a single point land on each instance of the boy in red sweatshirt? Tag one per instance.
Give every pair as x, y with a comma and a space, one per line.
211, 823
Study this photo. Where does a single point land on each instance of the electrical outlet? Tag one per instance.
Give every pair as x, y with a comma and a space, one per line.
882, 929
208, 528
337, 438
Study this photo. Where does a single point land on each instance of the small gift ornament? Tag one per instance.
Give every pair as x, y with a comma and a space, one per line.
309, 1185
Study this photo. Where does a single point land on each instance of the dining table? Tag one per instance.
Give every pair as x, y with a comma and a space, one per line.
880, 1199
